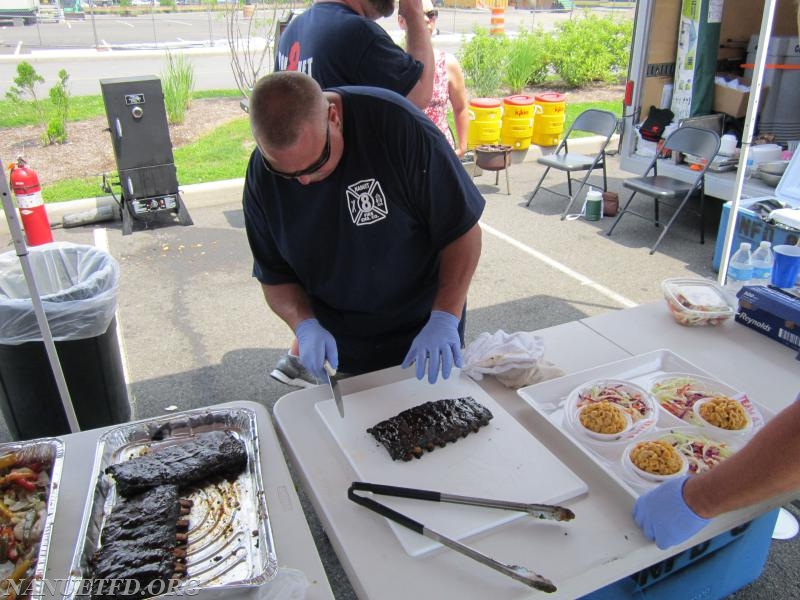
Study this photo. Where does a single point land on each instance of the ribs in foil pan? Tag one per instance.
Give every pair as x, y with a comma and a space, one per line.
50, 451
230, 546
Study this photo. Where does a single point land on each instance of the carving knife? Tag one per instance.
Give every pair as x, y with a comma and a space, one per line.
330, 373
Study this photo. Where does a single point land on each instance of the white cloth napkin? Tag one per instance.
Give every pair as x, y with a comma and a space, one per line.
516, 359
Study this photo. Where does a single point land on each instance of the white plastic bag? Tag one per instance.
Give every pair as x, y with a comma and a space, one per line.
515, 359
77, 284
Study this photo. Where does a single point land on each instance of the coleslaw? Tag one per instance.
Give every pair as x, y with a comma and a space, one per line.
678, 395
702, 453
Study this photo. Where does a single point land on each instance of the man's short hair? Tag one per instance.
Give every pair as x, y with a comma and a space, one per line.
280, 104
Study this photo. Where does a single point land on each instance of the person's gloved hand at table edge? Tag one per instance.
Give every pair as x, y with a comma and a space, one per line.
438, 342
761, 470
664, 516
316, 345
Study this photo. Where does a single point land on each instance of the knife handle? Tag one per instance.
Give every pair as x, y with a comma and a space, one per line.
400, 492
385, 511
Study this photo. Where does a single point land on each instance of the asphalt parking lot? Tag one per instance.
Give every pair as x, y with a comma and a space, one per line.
196, 331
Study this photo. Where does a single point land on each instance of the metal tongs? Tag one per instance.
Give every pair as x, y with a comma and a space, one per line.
539, 511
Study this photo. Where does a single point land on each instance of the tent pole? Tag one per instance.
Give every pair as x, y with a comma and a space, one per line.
747, 134
24, 259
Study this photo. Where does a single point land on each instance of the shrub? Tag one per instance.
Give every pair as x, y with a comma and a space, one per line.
57, 125
591, 49
178, 82
25, 85
528, 60
483, 60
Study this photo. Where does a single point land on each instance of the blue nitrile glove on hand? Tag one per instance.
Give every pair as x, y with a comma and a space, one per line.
439, 342
316, 344
665, 517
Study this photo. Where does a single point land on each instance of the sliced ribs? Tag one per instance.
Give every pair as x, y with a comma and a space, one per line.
408, 434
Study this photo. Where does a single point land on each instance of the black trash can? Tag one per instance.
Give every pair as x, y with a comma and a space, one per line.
78, 287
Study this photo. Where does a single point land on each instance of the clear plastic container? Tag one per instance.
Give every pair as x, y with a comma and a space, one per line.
697, 302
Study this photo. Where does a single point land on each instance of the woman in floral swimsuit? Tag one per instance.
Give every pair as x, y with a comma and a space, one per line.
448, 88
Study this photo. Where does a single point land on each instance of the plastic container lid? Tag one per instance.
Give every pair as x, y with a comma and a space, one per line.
519, 100
696, 302
550, 97
788, 188
486, 102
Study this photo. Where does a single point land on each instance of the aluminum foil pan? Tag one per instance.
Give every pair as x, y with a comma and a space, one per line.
49, 450
230, 542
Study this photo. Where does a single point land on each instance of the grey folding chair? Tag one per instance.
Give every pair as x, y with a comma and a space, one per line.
598, 122
703, 144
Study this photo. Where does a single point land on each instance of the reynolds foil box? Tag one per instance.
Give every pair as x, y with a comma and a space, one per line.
771, 311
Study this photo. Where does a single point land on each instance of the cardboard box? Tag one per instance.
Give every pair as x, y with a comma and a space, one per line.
730, 101
774, 313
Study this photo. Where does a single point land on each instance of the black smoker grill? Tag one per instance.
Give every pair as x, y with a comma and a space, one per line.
137, 121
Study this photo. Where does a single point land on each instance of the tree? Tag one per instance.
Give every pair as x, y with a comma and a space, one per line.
251, 41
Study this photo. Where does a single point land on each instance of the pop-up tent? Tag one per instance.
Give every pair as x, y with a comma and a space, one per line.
747, 133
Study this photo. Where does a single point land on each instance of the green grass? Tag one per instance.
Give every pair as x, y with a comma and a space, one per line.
573, 110
221, 154
20, 114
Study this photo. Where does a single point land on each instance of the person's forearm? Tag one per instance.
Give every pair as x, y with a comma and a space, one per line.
462, 130
767, 466
418, 45
457, 265
289, 301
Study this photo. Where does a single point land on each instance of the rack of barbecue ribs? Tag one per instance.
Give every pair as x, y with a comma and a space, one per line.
409, 433
209, 454
142, 540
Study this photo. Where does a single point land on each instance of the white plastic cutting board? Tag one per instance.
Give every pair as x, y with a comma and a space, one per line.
501, 461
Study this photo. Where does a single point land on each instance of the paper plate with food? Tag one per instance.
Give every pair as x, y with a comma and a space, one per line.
610, 411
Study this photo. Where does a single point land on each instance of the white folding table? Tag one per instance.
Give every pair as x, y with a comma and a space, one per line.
601, 546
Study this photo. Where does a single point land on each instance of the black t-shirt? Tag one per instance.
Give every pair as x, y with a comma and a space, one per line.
336, 46
365, 242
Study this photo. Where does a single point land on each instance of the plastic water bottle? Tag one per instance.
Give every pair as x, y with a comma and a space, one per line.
762, 260
740, 267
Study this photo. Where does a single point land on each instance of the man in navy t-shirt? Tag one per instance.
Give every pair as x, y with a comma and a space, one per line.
337, 43
363, 226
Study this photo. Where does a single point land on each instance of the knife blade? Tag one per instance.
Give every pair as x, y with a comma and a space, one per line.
330, 372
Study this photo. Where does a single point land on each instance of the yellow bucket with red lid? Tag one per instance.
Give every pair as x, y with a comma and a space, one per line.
550, 110
517, 125
485, 118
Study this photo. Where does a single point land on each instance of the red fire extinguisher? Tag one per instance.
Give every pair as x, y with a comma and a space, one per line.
28, 192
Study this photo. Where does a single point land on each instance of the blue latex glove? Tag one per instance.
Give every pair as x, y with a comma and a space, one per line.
665, 517
316, 344
438, 341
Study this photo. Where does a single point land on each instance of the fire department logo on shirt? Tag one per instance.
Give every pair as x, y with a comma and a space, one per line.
366, 202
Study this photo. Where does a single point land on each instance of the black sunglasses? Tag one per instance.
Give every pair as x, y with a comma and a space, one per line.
432, 14
316, 166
